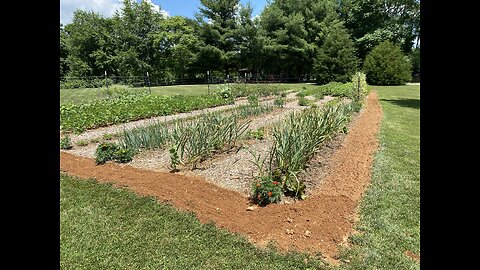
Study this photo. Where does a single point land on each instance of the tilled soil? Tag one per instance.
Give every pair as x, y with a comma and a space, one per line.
317, 224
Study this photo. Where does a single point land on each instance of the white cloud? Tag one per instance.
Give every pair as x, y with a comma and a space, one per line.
104, 7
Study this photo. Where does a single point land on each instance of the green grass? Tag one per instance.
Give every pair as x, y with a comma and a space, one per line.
81, 95
102, 227
390, 210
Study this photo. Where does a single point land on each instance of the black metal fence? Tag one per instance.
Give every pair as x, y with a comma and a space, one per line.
146, 81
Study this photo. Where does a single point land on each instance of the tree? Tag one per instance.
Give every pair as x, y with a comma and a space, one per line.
387, 65
217, 35
336, 59
134, 29
90, 45
374, 21
176, 43
63, 52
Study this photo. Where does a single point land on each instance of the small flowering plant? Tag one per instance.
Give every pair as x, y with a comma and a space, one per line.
266, 190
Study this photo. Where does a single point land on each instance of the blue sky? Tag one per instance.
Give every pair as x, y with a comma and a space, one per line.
185, 8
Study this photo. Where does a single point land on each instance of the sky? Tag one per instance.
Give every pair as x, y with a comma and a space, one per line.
107, 8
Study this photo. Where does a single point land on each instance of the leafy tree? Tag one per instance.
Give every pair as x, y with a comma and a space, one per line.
374, 21
176, 42
90, 44
134, 30
248, 43
63, 52
415, 60
336, 59
387, 65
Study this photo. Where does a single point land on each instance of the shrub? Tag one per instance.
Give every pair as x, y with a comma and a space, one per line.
387, 65
266, 190
105, 152
65, 143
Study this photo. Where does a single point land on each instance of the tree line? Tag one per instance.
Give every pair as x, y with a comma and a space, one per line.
326, 40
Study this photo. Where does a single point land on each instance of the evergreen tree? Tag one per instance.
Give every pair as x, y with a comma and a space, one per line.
336, 59
387, 65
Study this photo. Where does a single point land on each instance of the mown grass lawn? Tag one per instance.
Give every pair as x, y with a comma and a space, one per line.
390, 210
109, 228
80, 95
102, 227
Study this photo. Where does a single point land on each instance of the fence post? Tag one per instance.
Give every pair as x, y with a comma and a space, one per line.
208, 82
148, 81
106, 82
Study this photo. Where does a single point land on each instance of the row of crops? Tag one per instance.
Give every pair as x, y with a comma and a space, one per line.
295, 140
134, 106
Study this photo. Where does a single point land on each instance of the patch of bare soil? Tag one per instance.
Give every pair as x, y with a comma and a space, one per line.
317, 224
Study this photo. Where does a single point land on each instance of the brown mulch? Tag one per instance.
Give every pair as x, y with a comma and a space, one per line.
318, 224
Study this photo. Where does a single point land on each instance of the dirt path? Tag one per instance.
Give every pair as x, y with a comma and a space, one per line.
320, 223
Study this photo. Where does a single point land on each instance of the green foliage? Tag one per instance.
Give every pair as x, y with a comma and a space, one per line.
336, 60
152, 136
359, 87
414, 57
198, 140
266, 190
279, 102
387, 65
258, 134
98, 113
391, 205
297, 139
253, 100
105, 152
82, 143
74, 83
105, 227
302, 101
111, 151
66, 143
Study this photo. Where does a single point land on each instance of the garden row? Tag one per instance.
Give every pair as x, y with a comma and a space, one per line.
295, 140
129, 106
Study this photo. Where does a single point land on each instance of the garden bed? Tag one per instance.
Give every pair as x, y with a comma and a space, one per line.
319, 223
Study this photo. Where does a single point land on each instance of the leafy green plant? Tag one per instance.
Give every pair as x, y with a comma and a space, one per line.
82, 142
123, 155
258, 134
110, 151
66, 143
266, 190
283, 94
104, 112
302, 101
279, 102
107, 136
253, 100
105, 151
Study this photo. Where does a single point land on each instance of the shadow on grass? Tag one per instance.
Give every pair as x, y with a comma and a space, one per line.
409, 103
